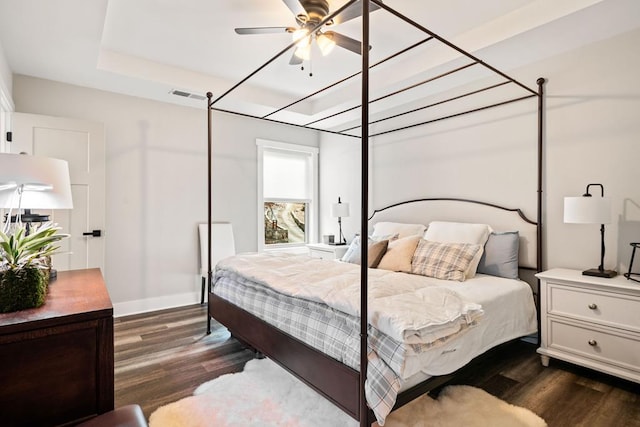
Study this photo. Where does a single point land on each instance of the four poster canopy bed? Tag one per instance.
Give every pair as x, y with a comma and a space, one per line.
436, 286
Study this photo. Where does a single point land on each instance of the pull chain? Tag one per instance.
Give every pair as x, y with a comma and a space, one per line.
310, 68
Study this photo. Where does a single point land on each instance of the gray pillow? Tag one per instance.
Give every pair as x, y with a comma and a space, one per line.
500, 257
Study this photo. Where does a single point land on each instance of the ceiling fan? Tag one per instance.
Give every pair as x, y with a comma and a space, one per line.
308, 14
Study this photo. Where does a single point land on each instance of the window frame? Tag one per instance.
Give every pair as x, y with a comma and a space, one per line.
311, 210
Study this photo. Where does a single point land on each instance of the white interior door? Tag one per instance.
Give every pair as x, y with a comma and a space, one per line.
81, 143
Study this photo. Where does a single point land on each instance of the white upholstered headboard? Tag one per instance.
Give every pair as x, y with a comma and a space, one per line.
423, 211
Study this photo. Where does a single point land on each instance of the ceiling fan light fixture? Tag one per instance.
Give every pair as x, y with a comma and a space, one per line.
326, 43
303, 52
309, 15
301, 37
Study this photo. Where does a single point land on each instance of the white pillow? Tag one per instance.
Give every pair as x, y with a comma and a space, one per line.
399, 228
459, 232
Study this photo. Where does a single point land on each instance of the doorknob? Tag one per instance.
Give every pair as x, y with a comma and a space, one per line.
94, 233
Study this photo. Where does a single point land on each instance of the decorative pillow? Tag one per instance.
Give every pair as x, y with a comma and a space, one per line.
375, 252
399, 228
352, 251
399, 254
459, 232
446, 261
500, 257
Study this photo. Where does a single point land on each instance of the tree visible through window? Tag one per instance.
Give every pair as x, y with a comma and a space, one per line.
284, 223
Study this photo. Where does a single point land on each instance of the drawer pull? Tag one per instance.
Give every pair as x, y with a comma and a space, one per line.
593, 343
593, 306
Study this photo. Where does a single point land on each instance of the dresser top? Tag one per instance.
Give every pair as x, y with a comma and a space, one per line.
566, 274
75, 294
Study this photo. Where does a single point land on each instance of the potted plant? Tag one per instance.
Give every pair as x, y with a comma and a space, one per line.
25, 259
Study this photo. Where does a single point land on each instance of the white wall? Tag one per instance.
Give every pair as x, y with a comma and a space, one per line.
6, 77
337, 161
6, 99
156, 168
592, 136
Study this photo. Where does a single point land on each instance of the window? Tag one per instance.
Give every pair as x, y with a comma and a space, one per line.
287, 195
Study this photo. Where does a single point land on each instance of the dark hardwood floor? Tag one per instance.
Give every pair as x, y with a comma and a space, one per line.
163, 356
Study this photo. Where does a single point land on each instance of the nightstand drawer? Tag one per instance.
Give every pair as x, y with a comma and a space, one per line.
316, 253
323, 251
617, 310
622, 350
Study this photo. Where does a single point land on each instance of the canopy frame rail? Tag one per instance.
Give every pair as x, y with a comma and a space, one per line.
430, 36
319, 91
397, 92
450, 116
363, 412
451, 45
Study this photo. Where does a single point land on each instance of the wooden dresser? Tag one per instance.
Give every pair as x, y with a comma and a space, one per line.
56, 361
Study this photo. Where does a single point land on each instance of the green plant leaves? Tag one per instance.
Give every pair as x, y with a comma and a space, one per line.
21, 248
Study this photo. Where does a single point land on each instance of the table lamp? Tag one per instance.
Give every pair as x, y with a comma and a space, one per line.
33, 182
340, 210
591, 210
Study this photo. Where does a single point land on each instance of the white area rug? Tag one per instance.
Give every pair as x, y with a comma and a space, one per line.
264, 394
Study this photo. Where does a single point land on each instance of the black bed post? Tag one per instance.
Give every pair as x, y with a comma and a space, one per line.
209, 155
364, 142
541, 81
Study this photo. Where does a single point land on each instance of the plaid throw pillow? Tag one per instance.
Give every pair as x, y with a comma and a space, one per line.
446, 261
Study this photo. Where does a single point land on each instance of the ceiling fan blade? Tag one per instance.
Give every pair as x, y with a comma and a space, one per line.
352, 12
295, 59
265, 30
346, 42
296, 7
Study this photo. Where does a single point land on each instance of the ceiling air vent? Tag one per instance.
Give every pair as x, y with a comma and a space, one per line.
184, 94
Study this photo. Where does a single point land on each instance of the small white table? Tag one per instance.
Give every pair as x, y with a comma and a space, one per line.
591, 321
324, 251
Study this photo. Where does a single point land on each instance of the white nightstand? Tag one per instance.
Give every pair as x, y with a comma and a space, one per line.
320, 250
591, 321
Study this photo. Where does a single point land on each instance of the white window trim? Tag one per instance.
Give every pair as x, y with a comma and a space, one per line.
312, 228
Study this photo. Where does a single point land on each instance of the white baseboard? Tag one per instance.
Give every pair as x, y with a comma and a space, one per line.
153, 304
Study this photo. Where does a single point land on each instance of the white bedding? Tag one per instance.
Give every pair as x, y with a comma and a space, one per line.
409, 308
509, 313
397, 306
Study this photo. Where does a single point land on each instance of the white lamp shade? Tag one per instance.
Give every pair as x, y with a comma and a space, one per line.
46, 182
340, 210
587, 210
